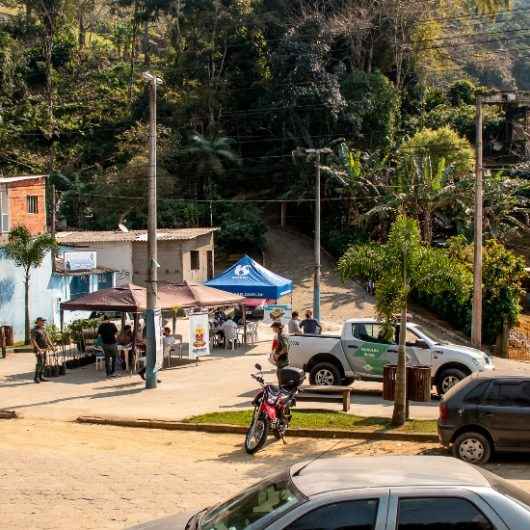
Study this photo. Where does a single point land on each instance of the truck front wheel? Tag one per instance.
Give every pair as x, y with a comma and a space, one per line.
448, 378
324, 374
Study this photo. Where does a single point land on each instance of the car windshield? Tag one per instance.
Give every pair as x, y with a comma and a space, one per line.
257, 505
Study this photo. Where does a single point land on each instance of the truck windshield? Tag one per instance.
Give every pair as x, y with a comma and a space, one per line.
255, 507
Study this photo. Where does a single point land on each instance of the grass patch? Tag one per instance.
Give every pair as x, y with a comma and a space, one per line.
309, 419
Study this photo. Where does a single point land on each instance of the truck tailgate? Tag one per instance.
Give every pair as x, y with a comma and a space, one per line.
303, 347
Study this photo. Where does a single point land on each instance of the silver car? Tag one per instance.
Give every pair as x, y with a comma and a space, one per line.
369, 493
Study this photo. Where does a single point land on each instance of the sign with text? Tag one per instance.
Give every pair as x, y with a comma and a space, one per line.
80, 261
199, 335
159, 348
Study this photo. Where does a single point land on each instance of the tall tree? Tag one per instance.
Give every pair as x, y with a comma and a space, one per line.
399, 267
28, 252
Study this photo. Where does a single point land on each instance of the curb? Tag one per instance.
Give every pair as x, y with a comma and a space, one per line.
216, 428
8, 415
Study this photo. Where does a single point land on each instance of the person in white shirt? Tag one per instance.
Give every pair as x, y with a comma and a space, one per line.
168, 340
229, 329
293, 326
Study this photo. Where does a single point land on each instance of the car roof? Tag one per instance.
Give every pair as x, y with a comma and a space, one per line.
502, 375
331, 474
372, 320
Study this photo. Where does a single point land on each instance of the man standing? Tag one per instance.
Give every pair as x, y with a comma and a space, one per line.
41, 343
107, 331
293, 325
280, 348
310, 325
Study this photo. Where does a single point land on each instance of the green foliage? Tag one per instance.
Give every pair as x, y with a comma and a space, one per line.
26, 250
438, 144
462, 93
241, 229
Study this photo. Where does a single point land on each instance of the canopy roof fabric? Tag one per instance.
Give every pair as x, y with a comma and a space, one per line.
249, 278
133, 298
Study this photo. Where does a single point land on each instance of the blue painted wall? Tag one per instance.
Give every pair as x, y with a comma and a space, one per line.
47, 291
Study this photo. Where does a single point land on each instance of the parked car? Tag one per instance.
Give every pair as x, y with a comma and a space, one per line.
485, 413
369, 493
365, 346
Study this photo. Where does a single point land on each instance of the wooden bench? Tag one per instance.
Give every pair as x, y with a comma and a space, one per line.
335, 394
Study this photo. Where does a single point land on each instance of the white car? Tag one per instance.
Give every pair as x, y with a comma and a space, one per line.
364, 348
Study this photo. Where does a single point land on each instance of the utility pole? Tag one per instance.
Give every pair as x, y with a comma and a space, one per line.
54, 210
317, 153
316, 281
476, 319
152, 314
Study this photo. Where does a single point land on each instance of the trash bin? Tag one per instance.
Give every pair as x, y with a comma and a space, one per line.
8, 334
389, 382
419, 383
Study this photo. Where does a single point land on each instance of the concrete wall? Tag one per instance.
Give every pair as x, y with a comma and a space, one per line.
47, 291
201, 244
114, 255
17, 193
174, 258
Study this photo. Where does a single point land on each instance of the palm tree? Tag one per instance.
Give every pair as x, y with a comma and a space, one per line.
28, 251
210, 155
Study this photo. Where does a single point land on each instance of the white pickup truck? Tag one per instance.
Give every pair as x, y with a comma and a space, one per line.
361, 352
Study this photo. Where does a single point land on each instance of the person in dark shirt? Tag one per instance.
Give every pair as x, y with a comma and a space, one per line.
310, 326
107, 331
41, 343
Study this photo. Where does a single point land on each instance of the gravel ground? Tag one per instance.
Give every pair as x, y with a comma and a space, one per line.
58, 475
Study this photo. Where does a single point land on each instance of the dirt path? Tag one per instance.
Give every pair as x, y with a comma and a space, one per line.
291, 255
59, 476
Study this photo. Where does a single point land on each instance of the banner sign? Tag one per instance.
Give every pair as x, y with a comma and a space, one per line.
199, 335
80, 261
277, 312
159, 347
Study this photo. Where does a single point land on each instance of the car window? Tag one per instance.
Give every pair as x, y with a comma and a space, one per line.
441, 514
414, 340
351, 515
373, 333
476, 395
258, 505
509, 394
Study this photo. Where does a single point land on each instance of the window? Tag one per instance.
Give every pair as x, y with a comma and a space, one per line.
79, 286
440, 514
476, 395
4, 209
104, 280
509, 394
374, 333
351, 515
195, 260
32, 203
261, 504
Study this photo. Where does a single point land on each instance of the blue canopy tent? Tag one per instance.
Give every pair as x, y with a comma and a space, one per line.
250, 279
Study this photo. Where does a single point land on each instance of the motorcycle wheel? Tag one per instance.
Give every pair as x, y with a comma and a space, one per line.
257, 434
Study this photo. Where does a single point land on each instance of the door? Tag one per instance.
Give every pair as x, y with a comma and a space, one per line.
372, 347
506, 413
418, 351
427, 509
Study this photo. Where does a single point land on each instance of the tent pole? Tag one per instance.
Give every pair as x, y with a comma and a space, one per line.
62, 319
244, 318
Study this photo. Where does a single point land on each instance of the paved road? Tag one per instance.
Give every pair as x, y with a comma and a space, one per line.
60, 476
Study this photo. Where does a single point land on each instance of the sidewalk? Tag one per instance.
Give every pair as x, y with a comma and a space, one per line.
219, 382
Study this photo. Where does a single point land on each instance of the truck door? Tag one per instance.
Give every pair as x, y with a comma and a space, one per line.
418, 351
372, 347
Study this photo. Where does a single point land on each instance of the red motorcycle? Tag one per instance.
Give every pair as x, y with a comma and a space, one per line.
272, 407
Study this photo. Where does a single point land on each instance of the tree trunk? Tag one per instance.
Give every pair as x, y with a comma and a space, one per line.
502, 340
26, 308
427, 227
400, 400
145, 44
82, 29
28, 12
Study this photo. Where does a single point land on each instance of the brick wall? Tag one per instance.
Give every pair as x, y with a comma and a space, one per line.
18, 209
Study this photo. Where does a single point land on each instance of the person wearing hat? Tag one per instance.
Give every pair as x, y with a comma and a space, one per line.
41, 343
280, 347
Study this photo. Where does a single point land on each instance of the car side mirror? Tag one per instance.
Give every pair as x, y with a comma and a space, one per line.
421, 344
258, 366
